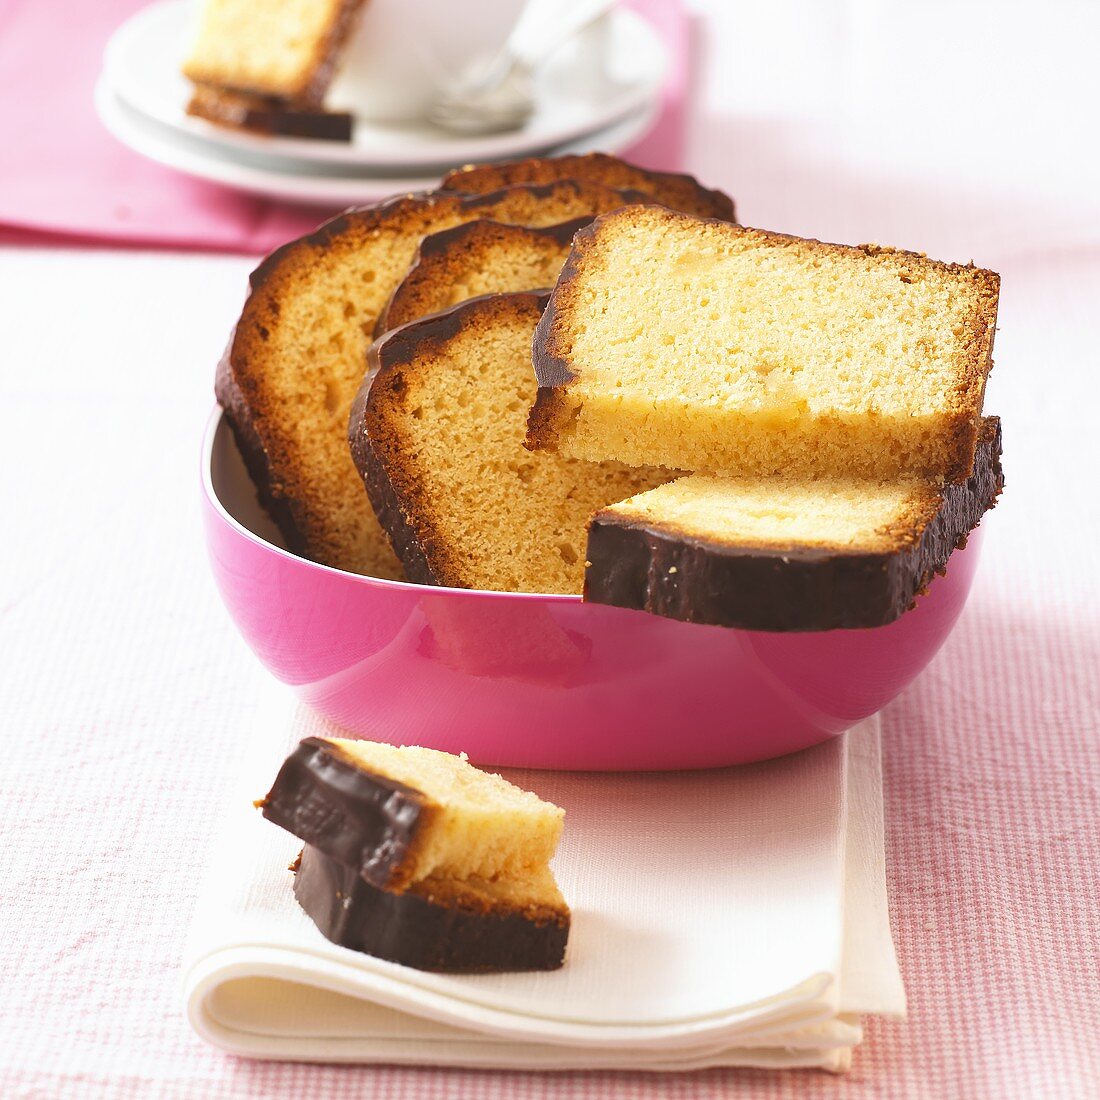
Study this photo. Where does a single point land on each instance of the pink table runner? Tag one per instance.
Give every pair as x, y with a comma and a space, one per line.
65, 177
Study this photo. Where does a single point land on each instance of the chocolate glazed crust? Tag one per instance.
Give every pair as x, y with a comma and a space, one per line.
369, 822
420, 931
639, 567
371, 450
268, 115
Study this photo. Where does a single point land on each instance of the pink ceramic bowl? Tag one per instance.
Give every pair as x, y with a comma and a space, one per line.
547, 681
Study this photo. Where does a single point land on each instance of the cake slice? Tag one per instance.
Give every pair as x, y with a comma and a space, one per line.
287, 49
680, 192
783, 553
267, 115
482, 257
437, 435
298, 355
478, 925
399, 816
725, 350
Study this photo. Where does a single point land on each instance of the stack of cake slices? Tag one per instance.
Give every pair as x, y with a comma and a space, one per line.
827, 399
414, 856
587, 377
297, 357
267, 67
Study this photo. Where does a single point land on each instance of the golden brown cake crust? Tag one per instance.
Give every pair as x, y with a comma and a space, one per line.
445, 259
553, 409
318, 501
659, 568
675, 190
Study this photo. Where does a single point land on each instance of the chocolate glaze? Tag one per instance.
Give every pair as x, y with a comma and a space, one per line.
418, 930
268, 115
369, 449
367, 822
787, 589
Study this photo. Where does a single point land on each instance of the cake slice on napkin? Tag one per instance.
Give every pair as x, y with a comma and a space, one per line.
415, 856
783, 553
674, 963
714, 348
401, 815
441, 924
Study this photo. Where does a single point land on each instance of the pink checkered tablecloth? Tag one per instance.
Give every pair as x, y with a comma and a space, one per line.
124, 690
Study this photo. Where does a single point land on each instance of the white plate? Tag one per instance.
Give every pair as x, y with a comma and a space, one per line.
315, 183
142, 62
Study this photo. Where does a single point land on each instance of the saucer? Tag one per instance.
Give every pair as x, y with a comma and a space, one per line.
280, 178
142, 68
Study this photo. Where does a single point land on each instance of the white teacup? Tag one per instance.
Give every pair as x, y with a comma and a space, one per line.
404, 50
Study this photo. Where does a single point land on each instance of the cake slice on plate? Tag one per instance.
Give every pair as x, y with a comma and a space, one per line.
286, 50
672, 189
719, 349
437, 435
783, 553
482, 257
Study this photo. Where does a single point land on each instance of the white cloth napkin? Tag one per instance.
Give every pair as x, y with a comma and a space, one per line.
720, 918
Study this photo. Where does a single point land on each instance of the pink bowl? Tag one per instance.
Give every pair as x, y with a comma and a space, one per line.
547, 681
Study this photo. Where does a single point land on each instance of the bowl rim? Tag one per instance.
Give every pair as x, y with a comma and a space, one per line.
213, 423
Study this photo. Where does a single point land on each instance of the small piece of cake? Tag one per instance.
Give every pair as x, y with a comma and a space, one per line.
398, 816
267, 115
482, 257
437, 434
478, 925
680, 192
781, 553
719, 349
298, 354
287, 49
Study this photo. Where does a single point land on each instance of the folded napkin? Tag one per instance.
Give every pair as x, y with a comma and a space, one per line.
720, 918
